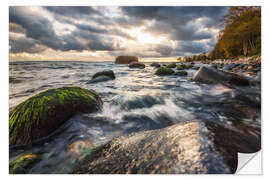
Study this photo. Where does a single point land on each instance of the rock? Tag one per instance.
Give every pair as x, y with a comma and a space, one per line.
213, 66
39, 116
155, 64
210, 75
108, 73
99, 79
163, 71
229, 66
184, 66
188, 66
196, 67
258, 78
126, 59
21, 164
136, 65
172, 65
181, 73
180, 66
193, 147
102, 76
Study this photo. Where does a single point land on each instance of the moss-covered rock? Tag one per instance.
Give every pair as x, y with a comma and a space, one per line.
180, 66
184, 66
163, 71
188, 66
21, 164
43, 113
172, 65
181, 73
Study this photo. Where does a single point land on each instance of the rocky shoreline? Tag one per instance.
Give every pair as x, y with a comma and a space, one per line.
196, 146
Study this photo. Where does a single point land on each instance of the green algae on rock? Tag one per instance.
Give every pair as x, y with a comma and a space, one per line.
20, 165
172, 65
180, 67
184, 66
42, 114
163, 71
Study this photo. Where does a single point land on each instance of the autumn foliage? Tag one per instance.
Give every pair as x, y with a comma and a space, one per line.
241, 35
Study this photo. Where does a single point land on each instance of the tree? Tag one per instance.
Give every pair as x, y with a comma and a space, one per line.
241, 35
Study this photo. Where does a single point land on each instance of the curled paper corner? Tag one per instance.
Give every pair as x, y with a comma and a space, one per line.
249, 163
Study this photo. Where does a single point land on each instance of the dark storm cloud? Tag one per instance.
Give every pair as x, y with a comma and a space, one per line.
22, 44
174, 20
41, 30
73, 11
95, 31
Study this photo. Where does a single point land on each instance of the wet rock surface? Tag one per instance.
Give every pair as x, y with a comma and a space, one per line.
155, 64
136, 65
108, 73
42, 114
163, 71
210, 75
172, 65
192, 147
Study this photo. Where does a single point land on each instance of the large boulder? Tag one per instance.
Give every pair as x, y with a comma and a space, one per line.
39, 116
210, 75
155, 64
194, 147
136, 65
163, 71
126, 59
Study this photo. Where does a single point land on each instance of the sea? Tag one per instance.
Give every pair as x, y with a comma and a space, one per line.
137, 100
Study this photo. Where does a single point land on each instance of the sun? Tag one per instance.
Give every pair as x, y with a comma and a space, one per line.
143, 37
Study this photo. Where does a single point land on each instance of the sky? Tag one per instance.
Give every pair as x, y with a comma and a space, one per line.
104, 32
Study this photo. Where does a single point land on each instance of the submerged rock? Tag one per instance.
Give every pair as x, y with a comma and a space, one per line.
210, 75
108, 73
172, 65
100, 79
181, 73
102, 76
194, 147
126, 59
39, 116
21, 164
155, 64
163, 71
136, 65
